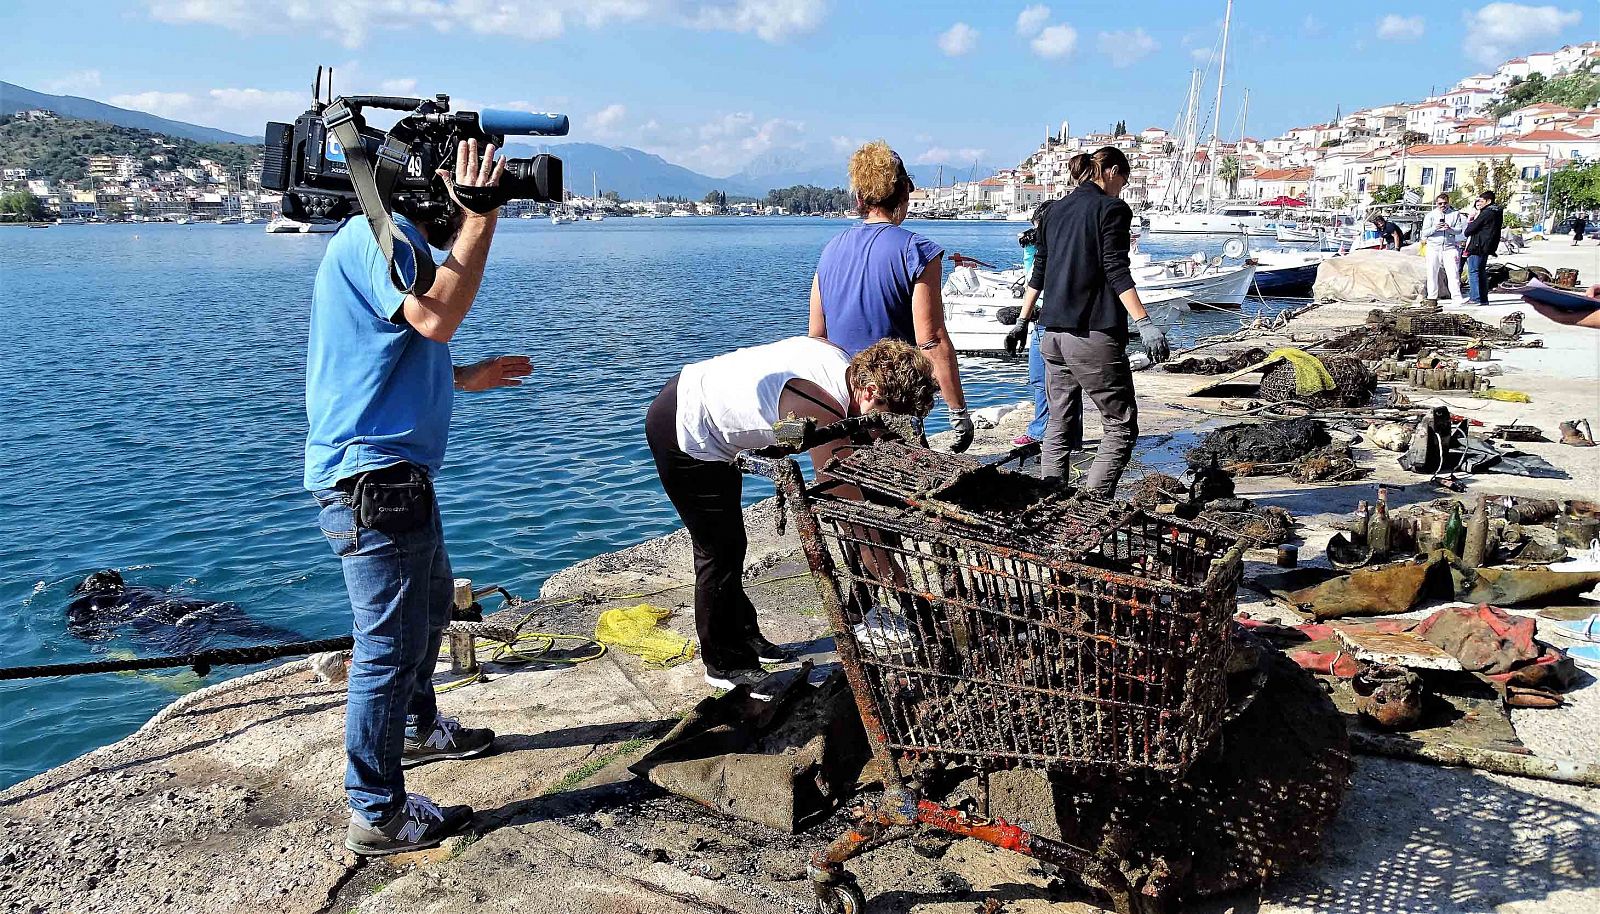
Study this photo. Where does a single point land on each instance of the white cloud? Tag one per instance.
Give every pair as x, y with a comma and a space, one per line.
1501, 30
1127, 48
958, 39
1056, 41
724, 144
1032, 19
243, 111
398, 86
1201, 55
1400, 28
944, 155
1311, 26
353, 21
608, 118
74, 83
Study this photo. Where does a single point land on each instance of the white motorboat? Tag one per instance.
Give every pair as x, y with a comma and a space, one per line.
596, 216
680, 213
978, 303
1297, 234
1227, 220
283, 225
562, 217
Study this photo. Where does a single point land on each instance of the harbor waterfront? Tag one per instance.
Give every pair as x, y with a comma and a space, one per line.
155, 396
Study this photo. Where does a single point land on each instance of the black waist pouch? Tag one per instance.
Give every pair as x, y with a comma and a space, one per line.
393, 500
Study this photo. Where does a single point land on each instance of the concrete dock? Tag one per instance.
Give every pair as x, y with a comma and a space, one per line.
236, 803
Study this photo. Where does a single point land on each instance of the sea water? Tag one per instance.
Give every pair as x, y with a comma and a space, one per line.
152, 393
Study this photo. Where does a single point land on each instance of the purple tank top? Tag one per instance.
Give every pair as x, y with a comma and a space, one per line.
865, 276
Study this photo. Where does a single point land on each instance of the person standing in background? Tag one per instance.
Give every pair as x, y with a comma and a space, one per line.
1084, 263
1441, 232
1483, 241
878, 281
1579, 223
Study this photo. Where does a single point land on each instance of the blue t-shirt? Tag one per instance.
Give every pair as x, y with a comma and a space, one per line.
865, 276
378, 393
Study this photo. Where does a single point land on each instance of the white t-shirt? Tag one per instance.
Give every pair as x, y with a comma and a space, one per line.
728, 404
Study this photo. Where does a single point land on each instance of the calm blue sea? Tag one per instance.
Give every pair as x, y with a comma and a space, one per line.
152, 398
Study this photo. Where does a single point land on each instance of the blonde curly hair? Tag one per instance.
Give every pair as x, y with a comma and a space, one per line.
903, 374
878, 177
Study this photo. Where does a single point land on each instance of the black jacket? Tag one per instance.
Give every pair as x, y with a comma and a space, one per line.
1483, 232
1083, 264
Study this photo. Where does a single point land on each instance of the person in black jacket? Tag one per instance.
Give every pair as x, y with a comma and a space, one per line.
1483, 241
1083, 261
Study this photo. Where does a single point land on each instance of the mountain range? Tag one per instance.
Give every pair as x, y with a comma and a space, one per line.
632, 173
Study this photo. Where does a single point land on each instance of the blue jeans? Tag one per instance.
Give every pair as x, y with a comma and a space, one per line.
1477, 280
400, 596
1041, 405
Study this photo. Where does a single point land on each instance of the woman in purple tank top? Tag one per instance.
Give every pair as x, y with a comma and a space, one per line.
880, 281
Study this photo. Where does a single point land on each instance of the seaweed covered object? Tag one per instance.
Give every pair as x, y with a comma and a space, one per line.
1250, 448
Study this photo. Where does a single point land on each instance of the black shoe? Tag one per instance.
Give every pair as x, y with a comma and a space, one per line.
767, 652
448, 739
760, 682
420, 825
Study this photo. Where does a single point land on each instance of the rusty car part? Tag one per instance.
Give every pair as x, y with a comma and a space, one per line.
1389, 697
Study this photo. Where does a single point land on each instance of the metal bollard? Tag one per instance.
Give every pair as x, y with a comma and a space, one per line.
463, 646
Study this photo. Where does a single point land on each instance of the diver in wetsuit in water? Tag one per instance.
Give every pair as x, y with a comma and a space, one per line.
104, 605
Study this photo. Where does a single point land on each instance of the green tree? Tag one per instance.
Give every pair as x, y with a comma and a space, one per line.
20, 206
611, 196
1413, 138
1575, 187
1121, 129
1385, 194
1229, 171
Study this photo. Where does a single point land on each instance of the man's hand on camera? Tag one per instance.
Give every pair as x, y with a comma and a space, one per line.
502, 371
475, 179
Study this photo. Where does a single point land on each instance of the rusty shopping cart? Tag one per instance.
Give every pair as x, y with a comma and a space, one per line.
988, 621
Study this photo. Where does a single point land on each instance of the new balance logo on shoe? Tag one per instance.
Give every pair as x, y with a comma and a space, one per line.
412, 832
440, 738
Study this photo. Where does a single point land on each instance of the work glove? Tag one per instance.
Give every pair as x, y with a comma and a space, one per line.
1154, 339
1017, 339
961, 424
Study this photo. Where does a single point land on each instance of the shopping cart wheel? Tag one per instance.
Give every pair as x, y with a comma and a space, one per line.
842, 897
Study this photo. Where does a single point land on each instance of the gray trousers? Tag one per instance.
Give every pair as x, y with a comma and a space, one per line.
1093, 363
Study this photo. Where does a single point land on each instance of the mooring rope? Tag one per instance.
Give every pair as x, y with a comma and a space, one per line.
200, 661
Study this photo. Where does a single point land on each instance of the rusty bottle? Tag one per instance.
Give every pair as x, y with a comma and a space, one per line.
1378, 529
1477, 544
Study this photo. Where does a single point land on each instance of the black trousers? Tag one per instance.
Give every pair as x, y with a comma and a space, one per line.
706, 494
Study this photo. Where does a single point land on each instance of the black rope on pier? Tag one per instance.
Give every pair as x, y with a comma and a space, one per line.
201, 662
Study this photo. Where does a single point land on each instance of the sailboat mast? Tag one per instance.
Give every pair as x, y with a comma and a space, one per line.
1216, 115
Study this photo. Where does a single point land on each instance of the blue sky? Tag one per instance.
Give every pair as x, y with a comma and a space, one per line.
713, 84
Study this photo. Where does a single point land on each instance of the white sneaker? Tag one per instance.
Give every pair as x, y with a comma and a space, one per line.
1584, 560
884, 632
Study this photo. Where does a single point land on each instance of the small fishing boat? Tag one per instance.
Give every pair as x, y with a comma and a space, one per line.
1296, 234
283, 225
562, 217
1286, 274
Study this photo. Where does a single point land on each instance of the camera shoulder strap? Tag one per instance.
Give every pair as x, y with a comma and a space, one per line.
372, 183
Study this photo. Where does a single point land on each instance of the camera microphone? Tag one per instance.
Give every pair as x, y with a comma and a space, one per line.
504, 122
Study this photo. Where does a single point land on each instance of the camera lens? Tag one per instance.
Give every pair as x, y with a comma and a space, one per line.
537, 179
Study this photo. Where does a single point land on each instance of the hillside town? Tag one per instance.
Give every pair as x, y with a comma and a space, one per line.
1458, 139
1442, 143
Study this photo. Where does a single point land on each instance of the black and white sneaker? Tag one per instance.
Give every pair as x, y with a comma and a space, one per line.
760, 682
447, 740
767, 652
421, 824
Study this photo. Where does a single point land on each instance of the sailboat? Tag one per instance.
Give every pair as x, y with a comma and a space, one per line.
595, 215
1224, 220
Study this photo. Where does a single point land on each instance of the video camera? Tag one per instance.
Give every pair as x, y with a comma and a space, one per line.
308, 162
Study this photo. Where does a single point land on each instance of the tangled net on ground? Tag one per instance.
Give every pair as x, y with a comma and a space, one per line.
1259, 449
1354, 385
1222, 364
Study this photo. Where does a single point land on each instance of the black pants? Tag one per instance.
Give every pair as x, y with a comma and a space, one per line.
707, 496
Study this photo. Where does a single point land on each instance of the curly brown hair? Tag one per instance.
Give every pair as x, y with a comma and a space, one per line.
878, 177
903, 374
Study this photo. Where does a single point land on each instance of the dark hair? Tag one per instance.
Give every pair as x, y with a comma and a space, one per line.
1487, 195
1077, 167
1037, 218
1105, 161
1444, 197
1376, 218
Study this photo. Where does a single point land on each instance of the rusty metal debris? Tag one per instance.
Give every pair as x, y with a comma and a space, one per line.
1389, 697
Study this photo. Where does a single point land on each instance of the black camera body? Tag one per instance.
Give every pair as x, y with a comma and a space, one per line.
306, 162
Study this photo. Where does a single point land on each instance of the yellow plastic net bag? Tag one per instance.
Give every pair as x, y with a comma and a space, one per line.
638, 630
1310, 376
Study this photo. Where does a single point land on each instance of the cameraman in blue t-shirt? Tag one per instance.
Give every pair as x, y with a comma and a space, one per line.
378, 395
